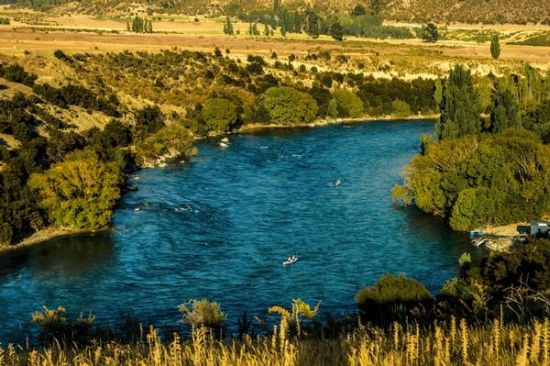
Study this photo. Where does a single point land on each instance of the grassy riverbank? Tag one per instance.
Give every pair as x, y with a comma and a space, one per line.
450, 343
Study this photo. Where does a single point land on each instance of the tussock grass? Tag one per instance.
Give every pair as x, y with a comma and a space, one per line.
452, 343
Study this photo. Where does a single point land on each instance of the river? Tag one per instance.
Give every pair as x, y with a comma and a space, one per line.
220, 227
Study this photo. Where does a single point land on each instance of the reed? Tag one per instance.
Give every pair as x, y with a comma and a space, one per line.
440, 344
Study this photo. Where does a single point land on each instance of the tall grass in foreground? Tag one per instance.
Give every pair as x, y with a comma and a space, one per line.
455, 343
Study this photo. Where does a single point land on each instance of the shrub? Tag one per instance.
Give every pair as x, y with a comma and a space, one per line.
287, 105
60, 55
17, 74
401, 108
203, 313
392, 298
348, 104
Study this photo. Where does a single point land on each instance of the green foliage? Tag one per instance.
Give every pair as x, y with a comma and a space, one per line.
313, 24
73, 94
430, 33
171, 141
323, 97
287, 105
495, 47
482, 180
392, 298
358, 11
505, 109
141, 25
379, 95
348, 104
228, 27
79, 192
337, 31
220, 114
512, 284
460, 108
148, 120
401, 108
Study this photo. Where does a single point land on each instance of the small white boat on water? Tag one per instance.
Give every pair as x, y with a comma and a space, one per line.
291, 260
338, 182
224, 145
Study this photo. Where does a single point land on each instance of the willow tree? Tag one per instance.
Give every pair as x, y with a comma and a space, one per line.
79, 192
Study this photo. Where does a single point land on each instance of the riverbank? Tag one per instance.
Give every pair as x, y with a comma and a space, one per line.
255, 127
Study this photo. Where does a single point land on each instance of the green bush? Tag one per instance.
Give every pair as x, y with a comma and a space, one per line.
392, 298
401, 108
220, 114
348, 104
287, 105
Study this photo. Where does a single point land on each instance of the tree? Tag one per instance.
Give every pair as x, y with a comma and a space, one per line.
228, 27
504, 110
287, 105
79, 192
348, 104
358, 11
430, 33
460, 108
147, 120
266, 30
401, 108
495, 47
313, 24
220, 114
283, 30
438, 92
337, 31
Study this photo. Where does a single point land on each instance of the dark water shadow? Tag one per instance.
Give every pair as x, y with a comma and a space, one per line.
68, 255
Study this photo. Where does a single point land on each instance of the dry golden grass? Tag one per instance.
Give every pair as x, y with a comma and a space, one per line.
59, 32
455, 343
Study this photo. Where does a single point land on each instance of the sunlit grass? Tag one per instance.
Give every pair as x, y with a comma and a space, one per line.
453, 343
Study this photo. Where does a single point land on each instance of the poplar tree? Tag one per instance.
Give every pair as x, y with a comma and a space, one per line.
505, 109
460, 108
495, 47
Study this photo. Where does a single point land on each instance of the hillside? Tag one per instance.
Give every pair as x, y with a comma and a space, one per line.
442, 11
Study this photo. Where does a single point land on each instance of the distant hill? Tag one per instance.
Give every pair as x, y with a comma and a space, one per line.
441, 11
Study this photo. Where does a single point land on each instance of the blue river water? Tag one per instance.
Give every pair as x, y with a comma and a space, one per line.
220, 227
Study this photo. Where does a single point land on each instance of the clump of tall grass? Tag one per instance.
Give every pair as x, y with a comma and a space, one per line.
451, 343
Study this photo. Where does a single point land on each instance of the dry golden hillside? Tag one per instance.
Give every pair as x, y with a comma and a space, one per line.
466, 11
